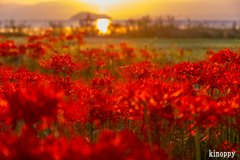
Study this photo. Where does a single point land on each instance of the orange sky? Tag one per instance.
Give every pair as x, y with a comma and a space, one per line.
122, 9
24, 1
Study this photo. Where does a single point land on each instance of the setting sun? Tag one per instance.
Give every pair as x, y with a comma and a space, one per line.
102, 25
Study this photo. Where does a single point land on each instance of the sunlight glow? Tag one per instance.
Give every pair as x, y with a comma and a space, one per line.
103, 2
102, 25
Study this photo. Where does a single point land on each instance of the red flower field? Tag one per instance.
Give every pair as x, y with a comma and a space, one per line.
60, 100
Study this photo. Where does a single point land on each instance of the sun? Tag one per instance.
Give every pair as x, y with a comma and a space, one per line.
102, 25
102, 2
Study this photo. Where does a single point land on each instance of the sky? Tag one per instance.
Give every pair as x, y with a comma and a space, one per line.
124, 9
24, 1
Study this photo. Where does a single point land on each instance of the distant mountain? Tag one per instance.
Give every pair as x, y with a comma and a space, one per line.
89, 15
52, 10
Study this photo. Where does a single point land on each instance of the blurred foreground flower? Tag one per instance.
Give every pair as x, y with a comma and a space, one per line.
122, 146
33, 103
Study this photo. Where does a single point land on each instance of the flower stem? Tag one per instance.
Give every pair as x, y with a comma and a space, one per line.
197, 145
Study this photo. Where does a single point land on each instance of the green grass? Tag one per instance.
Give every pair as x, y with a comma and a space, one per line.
197, 45
195, 49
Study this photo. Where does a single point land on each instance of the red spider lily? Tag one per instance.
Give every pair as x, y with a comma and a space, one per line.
6, 74
210, 75
63, 63
228, 80
145, 54
93, 53
101, 83
155, 96
199, 109
9, 87
62, 36
143, 70
33, 39
22, 49
224, 56
3, 109
36, 50
123, 146
53, 40
31, 148
227, 146
100, 63
190, 71
102, 106
32, 104
78, 110
202, 73
60, 84
79, 37
184, 70
12, 79
47, 34
230, 104
113, 56
25, 76
128, 52
110, 46
78, 148
70, 37
8, 49
92, 105
46, 45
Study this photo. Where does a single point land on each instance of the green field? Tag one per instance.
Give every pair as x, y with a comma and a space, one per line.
198, 45
194, 49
